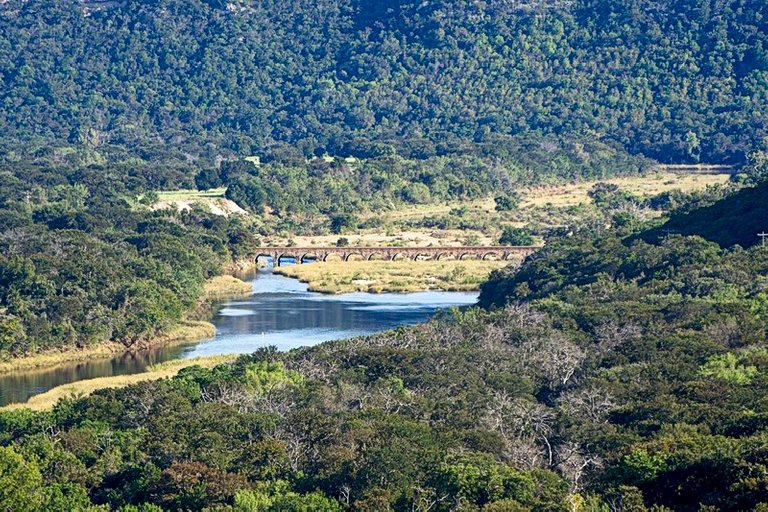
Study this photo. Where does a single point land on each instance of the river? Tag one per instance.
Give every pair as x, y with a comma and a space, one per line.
281, 312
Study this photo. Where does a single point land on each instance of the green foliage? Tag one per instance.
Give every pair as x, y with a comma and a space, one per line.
726, 367
342, 223
515, 236
280, 499
19, 482
736, 220
642, 467
81, 267
673, 82
208, 178
477, 478
247, 192
262, 378
507, 202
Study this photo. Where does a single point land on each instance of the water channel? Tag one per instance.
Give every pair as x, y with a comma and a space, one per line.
281, 312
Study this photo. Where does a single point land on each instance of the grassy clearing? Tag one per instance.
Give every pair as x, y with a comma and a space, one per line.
227, 286
186, 331
546, 205
190, 195
47, 400
568, 194
649, 185
211, 200
404, 238
393, 276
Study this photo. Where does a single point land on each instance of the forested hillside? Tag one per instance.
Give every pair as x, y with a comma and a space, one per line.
614, 375
80, 266
676, 80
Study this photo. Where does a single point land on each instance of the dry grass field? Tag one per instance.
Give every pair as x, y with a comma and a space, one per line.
542, 204
213, 200
393, 276
226, 287
644, 186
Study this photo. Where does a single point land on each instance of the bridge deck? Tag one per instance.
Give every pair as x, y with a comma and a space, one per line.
300, 254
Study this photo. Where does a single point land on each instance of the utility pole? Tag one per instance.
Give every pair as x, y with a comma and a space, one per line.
763, 235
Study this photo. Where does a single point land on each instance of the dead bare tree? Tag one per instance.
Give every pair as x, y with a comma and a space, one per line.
612, 333
591, 403
555, 355
525, 425
573, 461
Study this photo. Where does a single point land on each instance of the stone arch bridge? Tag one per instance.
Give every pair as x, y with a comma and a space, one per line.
305, 254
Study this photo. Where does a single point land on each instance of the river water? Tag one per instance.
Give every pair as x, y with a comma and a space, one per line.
281, 312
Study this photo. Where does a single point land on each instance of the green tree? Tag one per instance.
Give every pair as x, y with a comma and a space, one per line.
343, 222
515, 236
20, 482
507, 202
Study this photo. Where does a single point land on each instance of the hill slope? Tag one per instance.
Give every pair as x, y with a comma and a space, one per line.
677, 80
736, 220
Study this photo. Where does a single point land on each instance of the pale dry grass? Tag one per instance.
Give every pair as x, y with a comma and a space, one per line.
213, 200
567, 194
46, 401
393, 276
411, 238
227, 286
644, 186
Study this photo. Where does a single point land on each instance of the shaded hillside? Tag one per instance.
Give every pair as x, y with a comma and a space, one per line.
735, 220
655, 260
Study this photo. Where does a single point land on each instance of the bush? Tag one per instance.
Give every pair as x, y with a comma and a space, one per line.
515, 236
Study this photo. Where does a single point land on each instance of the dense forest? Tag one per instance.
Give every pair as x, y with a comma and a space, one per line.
80, 265
674, 80
295, 189
614, 371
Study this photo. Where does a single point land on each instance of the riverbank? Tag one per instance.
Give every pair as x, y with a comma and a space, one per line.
46, 401
186, 331
226, 287
392, 276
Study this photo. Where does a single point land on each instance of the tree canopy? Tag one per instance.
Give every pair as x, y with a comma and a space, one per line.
675, 80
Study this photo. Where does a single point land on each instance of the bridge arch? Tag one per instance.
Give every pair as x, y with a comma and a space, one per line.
468, 255
354, 256
377, 256
400, 256
445, 256
309, 257
265, 258
490, 256
284, 256
333, 256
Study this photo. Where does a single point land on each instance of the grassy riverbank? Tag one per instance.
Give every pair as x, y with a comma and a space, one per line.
221, 287
392, 276
186, 331
47, 400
